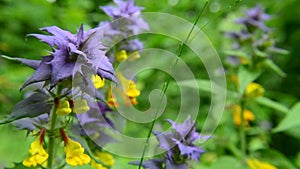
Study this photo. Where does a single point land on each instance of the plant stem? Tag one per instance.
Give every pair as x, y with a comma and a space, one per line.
51, 144
242, 130
166, 84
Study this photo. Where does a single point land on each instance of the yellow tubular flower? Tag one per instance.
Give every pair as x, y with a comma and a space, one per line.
121, 55
96, 165
244, 60
255, 164
133, 101
132, 91
98, 81
129, 89
80, 106
254, 90
63, 108
106, 158
111, 99
75, 154
248, 116
38, 154
134, 55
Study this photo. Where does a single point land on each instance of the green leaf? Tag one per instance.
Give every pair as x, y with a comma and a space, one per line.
228, 162
269, 63
236, 53
245, 77
290, 120
275, 158
19, 166
260, 53
202, 85
33, 106
280, 51
272, 104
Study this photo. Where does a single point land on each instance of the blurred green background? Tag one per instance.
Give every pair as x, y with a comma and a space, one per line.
21, 17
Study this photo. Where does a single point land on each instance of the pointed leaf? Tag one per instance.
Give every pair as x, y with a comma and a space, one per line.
19, 166
236, 53
31, 63
42, 73
269, 63
276, 158
33, 106
245, 77
290, 120
272, 104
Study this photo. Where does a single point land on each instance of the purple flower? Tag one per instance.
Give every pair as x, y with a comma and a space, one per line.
126, 17
124, 9
254, 19
80, 53
179, 143
132, 45
179, 146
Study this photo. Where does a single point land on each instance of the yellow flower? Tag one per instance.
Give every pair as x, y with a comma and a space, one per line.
121, 55
255, 164
132, 90
248, 116
96, 165
111, 99
63, 108
133, 100
106, 158
244, 60
134, 55
75, 153
38, 154
254, 90
80, 106
98, 81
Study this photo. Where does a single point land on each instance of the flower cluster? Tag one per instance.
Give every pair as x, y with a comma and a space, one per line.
72, 95
254, 44
248, 116
38, 155
179, 146
80, 53
127, 22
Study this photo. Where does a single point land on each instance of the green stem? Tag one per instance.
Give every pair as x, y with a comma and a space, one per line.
166, 84
164, 89
242, 130
51, 144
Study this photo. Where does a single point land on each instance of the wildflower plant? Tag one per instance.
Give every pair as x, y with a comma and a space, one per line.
74, 56
179, 144
72, 95
253, 49
85, 94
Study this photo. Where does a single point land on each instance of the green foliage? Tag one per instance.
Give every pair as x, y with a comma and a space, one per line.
290, 120
19, 18
33, 106
245, 77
